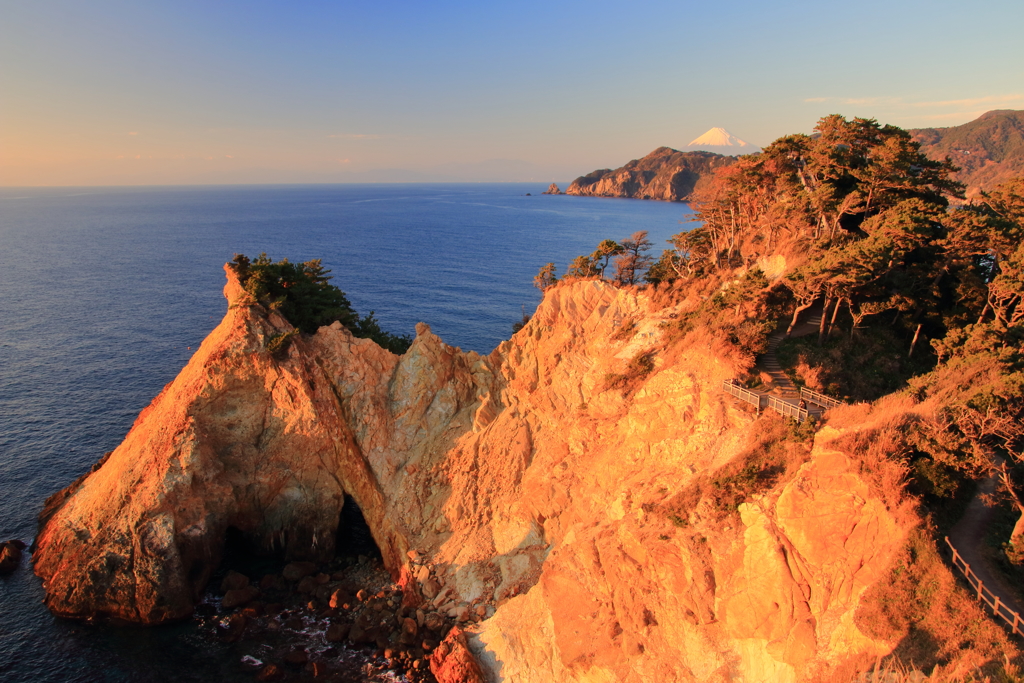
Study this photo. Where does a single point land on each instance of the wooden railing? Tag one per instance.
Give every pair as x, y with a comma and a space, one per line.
788, 409
819, 399
742, 393
999, 608
759, 401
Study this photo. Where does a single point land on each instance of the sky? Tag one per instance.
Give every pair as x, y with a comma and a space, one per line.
205, 92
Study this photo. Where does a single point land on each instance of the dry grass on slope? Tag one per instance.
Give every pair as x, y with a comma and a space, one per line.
932, 623
775, 449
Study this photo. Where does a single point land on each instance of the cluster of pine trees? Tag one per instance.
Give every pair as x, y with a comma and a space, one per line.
878, 236
304, 295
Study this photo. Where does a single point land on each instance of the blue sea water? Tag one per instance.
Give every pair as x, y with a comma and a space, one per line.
105, 292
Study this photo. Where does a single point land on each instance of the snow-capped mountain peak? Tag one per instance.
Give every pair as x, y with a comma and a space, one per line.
720, 137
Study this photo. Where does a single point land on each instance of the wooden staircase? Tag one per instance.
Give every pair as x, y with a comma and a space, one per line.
769, 363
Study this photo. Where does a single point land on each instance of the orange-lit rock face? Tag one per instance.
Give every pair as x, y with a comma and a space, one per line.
525, 485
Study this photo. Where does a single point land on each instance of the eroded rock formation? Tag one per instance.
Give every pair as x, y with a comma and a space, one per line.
527, 486
665, 174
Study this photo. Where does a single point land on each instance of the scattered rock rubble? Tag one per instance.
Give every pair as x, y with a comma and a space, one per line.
344, 621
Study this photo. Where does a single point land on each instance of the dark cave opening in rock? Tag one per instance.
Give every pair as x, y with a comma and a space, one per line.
241, 554
354, 537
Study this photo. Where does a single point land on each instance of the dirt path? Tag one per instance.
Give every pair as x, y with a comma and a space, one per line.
968, 536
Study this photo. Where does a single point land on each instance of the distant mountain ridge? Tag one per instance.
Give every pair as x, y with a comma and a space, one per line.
988, 150
666, 174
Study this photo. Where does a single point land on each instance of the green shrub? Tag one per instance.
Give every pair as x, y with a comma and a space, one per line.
278, 344
304, 296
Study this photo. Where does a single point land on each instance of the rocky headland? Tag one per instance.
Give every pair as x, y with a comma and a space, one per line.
666, 174
558, 499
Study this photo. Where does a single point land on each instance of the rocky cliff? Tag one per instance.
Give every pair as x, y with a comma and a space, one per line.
551, 482
665, 174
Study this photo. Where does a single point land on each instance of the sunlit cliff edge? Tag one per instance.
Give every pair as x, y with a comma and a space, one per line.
531, 480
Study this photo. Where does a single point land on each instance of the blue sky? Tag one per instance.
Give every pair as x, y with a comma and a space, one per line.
205, 92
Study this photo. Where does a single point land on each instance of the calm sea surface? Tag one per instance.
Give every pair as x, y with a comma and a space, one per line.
103, 291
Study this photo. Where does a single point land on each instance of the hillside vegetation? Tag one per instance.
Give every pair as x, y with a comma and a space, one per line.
302, 292
922, 300
988, 150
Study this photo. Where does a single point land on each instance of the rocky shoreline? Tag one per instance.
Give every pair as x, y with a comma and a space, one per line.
340, 621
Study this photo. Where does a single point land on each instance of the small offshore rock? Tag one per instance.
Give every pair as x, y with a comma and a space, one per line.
338, 598
230, 630
323, 594
10, 556
234, 581
253, 610
271, 672
434, 622
240, 596
430, 588
336, 633
296, 571
441, 597
410, 627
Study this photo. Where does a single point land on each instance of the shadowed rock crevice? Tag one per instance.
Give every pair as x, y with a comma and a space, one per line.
354, 537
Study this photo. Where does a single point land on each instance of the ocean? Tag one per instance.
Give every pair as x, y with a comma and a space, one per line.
106, 292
